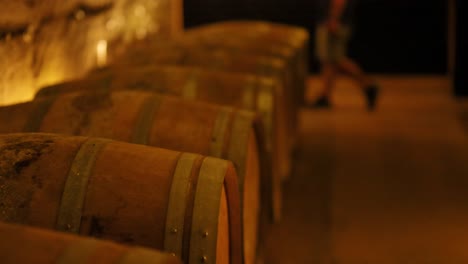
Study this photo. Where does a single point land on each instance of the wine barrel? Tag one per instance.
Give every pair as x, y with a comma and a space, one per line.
184, 53
21, 244
267, 34
248, 92
186, 204
161, 121
181, 54
238, 42
235, 43
294, 36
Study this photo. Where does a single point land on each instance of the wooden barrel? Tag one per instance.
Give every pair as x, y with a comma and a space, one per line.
186, 204
185, 53
267, 34
234, 44
263, 32
182, 54
20, 244
294, 36
162, 121
255, 44
248, 92
238, 42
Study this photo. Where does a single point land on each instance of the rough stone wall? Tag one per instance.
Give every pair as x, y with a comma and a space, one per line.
47, 41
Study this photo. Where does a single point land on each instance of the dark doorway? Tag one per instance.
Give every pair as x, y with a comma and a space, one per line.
391, 36
461, 61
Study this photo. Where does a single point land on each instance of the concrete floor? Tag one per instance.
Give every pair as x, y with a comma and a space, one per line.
384, 187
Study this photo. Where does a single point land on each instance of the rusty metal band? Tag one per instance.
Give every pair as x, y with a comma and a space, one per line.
174, 233
78, 252
204, 234
219, 131
144, 123
37, 116
141, 255
248, 96
189, 90
266, 108
237, 152
76, 185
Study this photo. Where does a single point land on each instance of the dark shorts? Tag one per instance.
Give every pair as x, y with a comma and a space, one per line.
331, 48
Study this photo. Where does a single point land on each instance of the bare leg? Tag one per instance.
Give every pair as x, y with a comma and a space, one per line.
352, 69
368, 86
329, 71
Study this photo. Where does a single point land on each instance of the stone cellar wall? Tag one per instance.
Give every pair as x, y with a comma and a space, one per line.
47, 41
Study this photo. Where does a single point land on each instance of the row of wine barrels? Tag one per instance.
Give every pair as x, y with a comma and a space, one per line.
20, 244
251, 40
247, 92
180, 53
186, 204
266, 38
267, 33
161, 121
233, 44
222, 43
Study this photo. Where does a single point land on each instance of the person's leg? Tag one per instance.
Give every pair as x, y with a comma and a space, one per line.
324, 49
369, 86
329, 71
352, 69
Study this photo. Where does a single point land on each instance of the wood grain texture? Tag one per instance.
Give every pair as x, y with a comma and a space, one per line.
20, 244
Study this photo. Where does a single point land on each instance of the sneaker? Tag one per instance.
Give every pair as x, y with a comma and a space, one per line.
321, 102
371, 93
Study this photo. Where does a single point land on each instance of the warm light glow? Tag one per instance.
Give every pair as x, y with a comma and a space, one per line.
16, 85
140, 11
101, 52
115, 23
141, 33
49, 53
17, 93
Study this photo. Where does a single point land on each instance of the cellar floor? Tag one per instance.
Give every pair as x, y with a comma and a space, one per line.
389, 186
